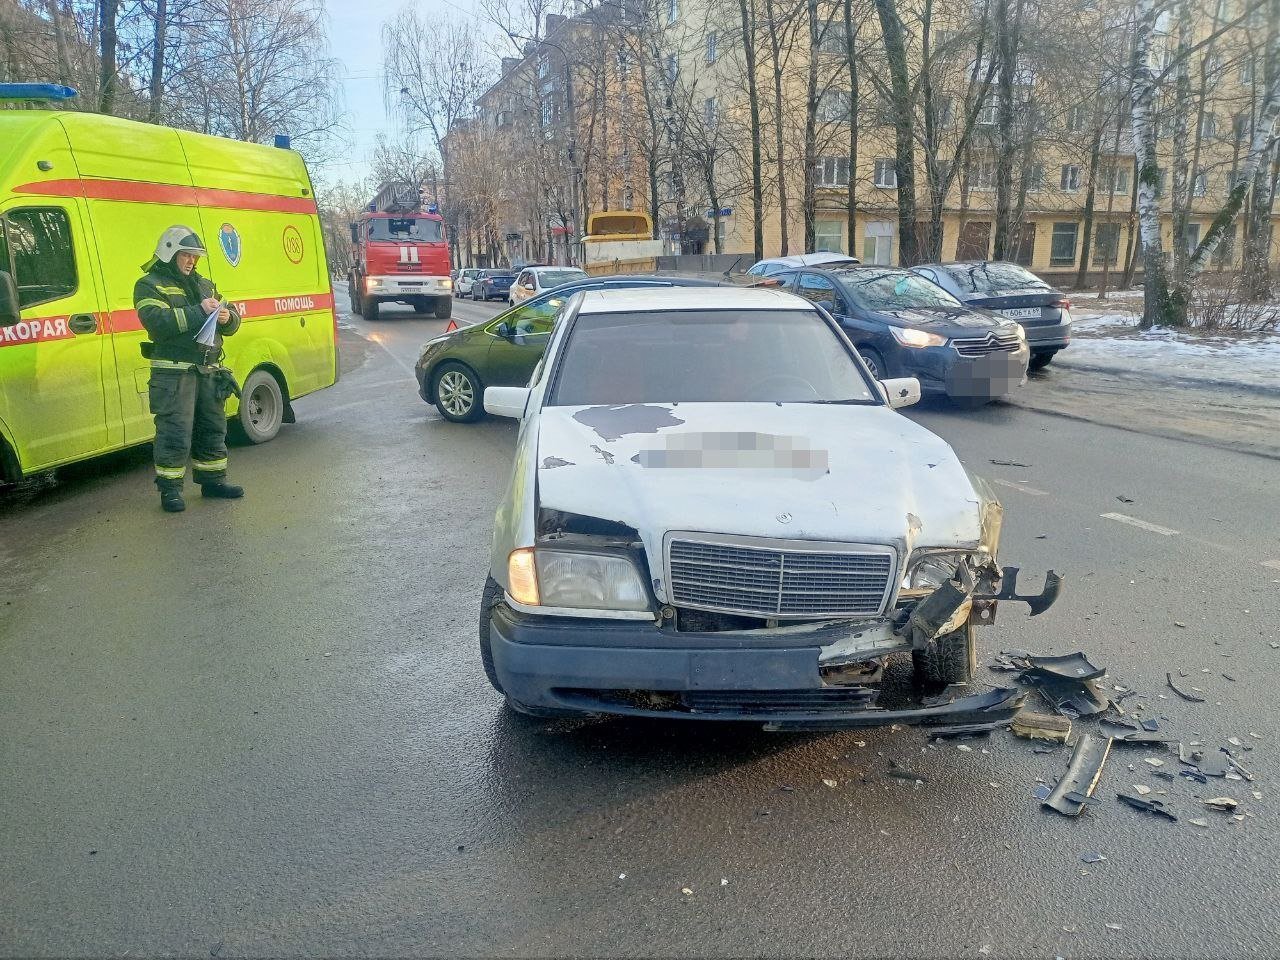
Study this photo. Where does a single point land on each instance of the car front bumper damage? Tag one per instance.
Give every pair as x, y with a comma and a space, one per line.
807, 676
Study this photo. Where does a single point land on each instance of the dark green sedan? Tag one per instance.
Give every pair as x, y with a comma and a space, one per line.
454, 369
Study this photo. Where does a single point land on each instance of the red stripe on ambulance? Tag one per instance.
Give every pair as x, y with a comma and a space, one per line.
170, 194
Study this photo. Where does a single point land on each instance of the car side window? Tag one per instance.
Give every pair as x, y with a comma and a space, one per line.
757, 270
816, 289
43, 255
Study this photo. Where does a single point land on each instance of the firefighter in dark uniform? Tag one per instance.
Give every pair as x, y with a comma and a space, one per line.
189, 386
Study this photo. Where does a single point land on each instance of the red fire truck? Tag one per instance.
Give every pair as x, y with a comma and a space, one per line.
401, 255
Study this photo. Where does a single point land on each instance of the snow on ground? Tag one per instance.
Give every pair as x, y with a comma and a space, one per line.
1105, 336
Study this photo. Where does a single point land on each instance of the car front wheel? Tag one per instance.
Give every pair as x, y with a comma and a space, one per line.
874, 362
459, 393
1040, 359
952, 658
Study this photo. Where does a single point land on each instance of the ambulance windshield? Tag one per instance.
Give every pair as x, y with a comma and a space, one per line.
402, 229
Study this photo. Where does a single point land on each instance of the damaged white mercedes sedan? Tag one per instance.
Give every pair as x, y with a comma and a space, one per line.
715, 512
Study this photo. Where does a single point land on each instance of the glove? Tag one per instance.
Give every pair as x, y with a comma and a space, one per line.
224, 385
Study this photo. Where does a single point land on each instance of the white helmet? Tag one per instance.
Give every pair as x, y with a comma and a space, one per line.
178, 238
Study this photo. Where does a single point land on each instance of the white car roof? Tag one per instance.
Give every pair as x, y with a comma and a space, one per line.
810, 259
548, 267
637, 300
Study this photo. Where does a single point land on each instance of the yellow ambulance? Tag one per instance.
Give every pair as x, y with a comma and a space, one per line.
83, 199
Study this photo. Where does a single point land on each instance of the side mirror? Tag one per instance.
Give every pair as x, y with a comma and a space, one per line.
505, 330
506, 401
827, 305
355, 233
901, 391
9, 311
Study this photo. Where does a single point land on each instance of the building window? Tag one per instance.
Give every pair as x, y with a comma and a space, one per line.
673, 11
1070, 177
624, 64
711, 47
831, 172
1208, 126
1106, 245
982, 175
1240, 127
709, 112
1077, 118
548, 111
1213, 65
1062, 249
544, 67
945, 111
833, 38
1200, 186
1035, 177
1246, 73
1162, 180
829, 236
1224, 252
1191, 238
673, 68
886, 174
1115, 179
877, 243
987, 115
833, 106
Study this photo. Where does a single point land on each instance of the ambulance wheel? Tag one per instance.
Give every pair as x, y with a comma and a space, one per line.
261, 408
444, 307
369, 308
355, 301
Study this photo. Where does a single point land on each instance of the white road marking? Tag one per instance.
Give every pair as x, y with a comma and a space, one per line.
1141, 524
1022, 487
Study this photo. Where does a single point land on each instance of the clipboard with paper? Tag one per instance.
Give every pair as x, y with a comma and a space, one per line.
209, 332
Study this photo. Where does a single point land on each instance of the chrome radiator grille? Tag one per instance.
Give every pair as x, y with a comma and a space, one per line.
989, 343
779, 579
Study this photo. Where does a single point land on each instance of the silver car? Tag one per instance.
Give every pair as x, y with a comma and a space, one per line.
715, 512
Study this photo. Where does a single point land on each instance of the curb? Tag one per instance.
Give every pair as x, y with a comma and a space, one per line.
1173, 379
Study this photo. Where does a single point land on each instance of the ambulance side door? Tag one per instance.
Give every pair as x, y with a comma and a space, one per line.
55, 360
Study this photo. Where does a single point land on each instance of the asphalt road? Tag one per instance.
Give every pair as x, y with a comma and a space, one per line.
261, 728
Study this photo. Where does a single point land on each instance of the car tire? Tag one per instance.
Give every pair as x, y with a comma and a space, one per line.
1040, 359
261, 408
458, 381
444, 307
952, 658
369, 308
874, 362
355, 300
489, 599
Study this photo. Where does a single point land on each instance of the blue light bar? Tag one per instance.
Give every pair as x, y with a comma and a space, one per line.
36, 91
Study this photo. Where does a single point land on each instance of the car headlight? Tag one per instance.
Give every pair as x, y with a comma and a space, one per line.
579, 580
931, 570
911, 337
446, 284
1021, 331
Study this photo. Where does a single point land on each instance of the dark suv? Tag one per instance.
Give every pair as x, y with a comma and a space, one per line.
1011, 291
906, 326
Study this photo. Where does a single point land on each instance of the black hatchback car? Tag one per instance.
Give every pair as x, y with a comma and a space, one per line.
905, 326
492, 285
1011, 291
454, 369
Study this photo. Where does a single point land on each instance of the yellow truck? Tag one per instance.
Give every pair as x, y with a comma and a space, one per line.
83, 198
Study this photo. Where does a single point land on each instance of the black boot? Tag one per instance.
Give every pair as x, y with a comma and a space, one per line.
222, 490
171, 500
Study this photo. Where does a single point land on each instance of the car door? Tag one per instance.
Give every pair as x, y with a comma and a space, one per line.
511, 358
56, 361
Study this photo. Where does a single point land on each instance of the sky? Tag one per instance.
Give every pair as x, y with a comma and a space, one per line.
355, 39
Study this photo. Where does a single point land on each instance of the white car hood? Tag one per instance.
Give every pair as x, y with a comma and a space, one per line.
846, 473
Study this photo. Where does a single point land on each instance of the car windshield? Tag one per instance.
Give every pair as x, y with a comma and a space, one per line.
993, 277
553, 278
421, 229
706, 356
893, 290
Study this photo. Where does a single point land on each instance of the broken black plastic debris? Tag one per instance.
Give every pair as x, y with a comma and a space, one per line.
1148, 806
1209, 763
1072, 666
1010, 463
1189, 697
1092, 858
949, 694
1041, 792
1129, 735
1084, 771
1071, 698
1151, 726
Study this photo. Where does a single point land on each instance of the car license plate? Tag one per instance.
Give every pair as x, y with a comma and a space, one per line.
1022, 313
